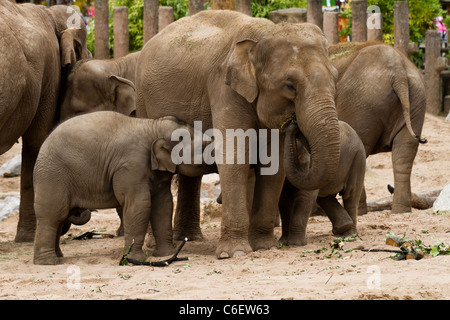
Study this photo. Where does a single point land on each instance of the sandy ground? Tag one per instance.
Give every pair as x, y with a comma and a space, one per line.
90, 268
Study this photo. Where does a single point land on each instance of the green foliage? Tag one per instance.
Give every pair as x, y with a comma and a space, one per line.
261, 8
422, 13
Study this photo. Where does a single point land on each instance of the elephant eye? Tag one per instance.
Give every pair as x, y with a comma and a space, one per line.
290, 86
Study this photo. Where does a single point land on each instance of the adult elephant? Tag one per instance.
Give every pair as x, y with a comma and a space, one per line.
35, 45
231, 71
381, 94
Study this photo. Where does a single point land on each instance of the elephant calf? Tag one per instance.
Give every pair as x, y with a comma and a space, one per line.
107, 160
297, 204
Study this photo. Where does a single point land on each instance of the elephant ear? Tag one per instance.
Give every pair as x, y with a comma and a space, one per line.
240, 74
71, 47
123, 95
161, 156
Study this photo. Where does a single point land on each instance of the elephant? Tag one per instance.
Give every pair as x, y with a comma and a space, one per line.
107, 160
381, 94
231, 71
100, 85
38, 46
297, 204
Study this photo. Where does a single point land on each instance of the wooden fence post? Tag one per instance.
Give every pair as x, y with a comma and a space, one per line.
121, 40
314, 12
434, 64
165, 17
359, 20
150, 19
101, 44
244, 6
330, 27
401, 26
195, 6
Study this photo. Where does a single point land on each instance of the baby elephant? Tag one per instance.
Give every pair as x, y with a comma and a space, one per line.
296, 204
107, 160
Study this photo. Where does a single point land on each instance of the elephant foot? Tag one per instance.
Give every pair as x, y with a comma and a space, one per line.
400, 208
192, 235
362, 209
298, 241
342, 227
229, 249
136, 254
25, 235
46, 259
164, 250
263, 242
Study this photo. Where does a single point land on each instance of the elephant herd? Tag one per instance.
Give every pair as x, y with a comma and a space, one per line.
227, 70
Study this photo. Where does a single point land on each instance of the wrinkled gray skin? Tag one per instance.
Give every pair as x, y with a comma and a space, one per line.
107, 160
232, 71
381, 94
36, 49
101, 85
296, 204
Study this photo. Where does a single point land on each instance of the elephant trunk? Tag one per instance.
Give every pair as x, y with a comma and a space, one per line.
319, 131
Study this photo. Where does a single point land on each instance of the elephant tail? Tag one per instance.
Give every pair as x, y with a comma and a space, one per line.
400, 85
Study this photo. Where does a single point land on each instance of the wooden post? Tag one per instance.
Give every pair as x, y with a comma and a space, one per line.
223, 4
330, 27
195, 6
434, 64
150, 19
401, 26
244, 6
314, 12
165, 17
101, 32
359, 20
121, 40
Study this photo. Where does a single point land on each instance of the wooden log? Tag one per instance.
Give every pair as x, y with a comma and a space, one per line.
330, 27
401, 26
165, 17
150, 19
314, 12
359, 20
121, 40
101, 32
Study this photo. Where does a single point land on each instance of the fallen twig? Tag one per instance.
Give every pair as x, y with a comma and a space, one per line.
125, 260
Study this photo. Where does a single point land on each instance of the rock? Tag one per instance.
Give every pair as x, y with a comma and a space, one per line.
442, 202
210, 187
292, 15
9, 205
12, 167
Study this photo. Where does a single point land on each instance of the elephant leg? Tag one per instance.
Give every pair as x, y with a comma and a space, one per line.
404, 150
187, 215
235, 217
26, 226
362, 209
302, 208
48, 232
119, 231
32, 140
286, 206
135, 201
161, 221
339, 217
265, 210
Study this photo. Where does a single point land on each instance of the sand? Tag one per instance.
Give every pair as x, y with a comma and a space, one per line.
90, 268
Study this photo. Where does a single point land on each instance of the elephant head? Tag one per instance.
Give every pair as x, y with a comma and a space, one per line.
286, 71
71, 32
92, 87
